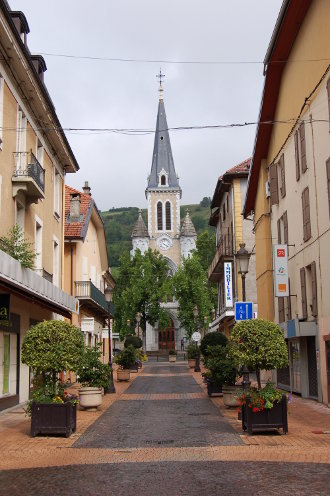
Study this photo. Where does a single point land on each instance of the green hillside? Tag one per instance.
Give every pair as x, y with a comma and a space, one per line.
119, 223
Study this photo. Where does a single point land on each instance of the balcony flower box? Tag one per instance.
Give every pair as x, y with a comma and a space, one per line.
53, 418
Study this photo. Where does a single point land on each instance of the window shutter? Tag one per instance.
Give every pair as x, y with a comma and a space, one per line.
279, 231
328, 89
282, 169
273, 184
281, 317
285, 228
303, 147
296, 148
328, 177
314, 289
306, 215
303, 293
288, 302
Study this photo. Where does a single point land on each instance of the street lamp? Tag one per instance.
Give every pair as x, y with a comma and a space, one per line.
196, 312
138, 320
108, 298
243, 257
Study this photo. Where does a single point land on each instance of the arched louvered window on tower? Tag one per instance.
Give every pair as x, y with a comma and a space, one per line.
168, 216
163, 181
159, 216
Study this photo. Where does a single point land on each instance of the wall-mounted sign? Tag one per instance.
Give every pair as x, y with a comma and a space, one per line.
281, 270
228, 284
87, 324
243, 310
4, 308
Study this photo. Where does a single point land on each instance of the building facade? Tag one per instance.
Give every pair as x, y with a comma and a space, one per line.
231, 231
34, 159
164, 232
288, 192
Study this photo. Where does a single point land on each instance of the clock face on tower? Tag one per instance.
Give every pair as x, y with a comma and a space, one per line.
164, 243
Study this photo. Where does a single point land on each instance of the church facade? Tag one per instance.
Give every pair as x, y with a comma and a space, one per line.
164, 232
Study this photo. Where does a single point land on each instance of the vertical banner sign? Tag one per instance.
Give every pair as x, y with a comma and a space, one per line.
228, 284
281, 270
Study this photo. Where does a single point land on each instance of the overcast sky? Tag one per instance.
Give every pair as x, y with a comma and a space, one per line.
109, 94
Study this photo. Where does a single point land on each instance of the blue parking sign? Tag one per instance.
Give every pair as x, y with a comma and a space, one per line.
243, 310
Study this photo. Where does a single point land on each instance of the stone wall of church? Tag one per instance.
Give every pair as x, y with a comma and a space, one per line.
153, 198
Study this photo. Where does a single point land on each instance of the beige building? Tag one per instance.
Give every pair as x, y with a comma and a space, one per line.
231, 231
289, 192
86, 265
34, 158
164, 233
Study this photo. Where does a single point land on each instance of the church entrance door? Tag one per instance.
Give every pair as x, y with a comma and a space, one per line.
166, 338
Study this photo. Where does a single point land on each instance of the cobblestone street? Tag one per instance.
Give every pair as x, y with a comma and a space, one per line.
160, 434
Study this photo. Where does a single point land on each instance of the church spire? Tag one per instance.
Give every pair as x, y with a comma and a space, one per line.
162, 170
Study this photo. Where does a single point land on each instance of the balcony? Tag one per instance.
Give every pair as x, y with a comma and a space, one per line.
223, 254
28, 177
91, 297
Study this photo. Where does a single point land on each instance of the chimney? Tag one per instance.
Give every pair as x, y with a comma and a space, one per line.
75, 207
87, 189
21, 24
40, 65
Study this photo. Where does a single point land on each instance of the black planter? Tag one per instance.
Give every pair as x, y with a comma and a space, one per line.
273, 418
214, 388
53, 418
135, 367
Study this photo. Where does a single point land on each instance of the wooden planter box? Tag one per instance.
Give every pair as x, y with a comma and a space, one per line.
214, 388
53, 418
274, 418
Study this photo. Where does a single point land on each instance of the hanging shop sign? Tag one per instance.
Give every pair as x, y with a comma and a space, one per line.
281, 270
4, 308
228, 284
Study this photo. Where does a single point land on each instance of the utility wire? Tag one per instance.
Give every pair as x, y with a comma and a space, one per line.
185, 62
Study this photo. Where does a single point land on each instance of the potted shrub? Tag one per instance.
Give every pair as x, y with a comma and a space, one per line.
259, 344
49, 348
125, 359
93, 375
136, 342
212, 339
172, 356
191, 355
221, 369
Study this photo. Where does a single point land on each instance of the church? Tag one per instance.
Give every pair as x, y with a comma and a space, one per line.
164, 232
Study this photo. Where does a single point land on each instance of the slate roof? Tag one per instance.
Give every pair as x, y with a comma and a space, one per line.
188, 228
140, 230
77, 230
162, 157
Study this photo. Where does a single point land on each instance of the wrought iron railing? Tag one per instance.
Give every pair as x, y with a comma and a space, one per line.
27, 165
87, 290
224, 249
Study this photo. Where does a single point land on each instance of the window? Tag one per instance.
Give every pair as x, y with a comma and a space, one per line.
56, 192
1, 110
159, 216
21, 141
56, 262
306, 214
282, 229
40, 153
328, 181
273, 184
163, 180
300, 150
168, 216
282, 176
311, 271
38, 245
303, 293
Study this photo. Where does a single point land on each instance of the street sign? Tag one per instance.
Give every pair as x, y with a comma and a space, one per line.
196, 336
243, 310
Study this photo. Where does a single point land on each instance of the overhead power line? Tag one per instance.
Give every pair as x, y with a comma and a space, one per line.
183, 62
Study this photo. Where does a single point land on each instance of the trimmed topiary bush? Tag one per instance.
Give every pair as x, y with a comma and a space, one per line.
91, 371
133, 341
191, 351
126, 358
212, 339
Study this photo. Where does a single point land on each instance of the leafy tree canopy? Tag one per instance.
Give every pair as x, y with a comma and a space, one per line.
15, 245
260, 345
206, 202
212, 339
191, 288
142, 284
206, 247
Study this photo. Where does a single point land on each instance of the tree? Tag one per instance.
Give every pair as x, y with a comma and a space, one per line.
260, 345
191, 288
206, 202
142, 284
206, 247
15, 245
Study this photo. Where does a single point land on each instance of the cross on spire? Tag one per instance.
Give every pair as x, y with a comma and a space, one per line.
160, 76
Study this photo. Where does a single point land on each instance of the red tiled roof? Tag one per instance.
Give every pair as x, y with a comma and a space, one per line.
242, 167
73, 229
